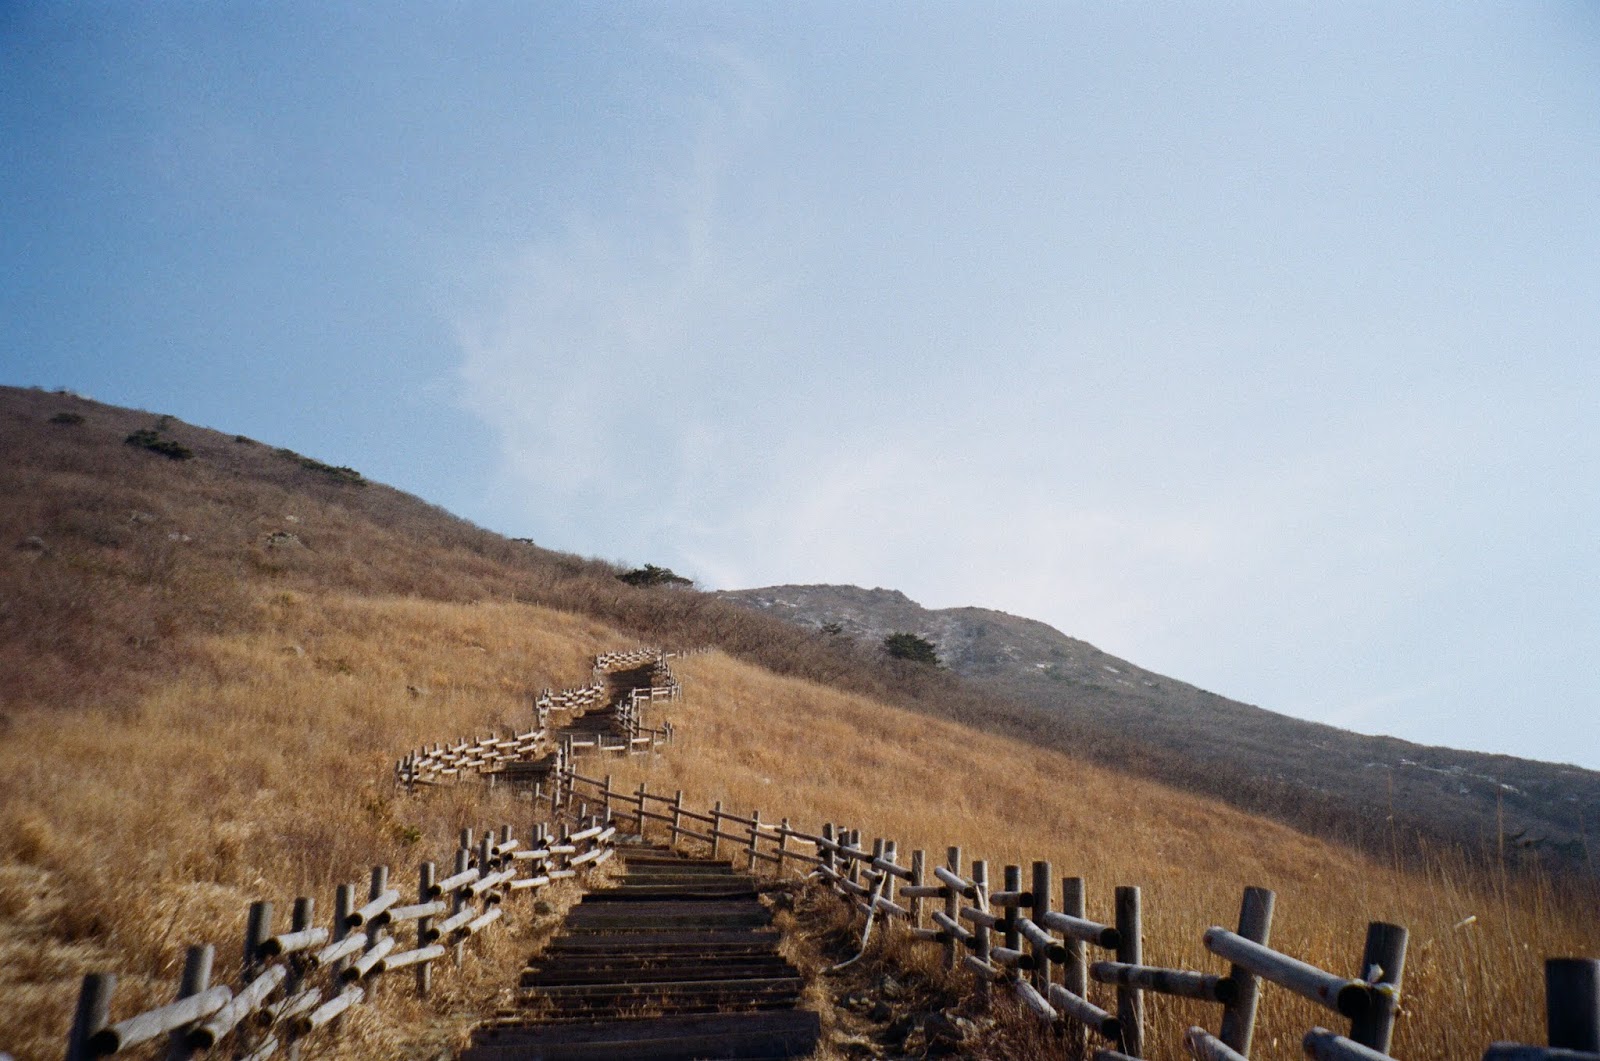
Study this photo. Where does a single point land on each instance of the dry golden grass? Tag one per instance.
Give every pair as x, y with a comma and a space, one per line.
262, 772
192, 718
791, 748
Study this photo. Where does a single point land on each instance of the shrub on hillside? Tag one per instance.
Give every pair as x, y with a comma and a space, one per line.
150, 439
651, 575
338, 473
66, 418
911, 647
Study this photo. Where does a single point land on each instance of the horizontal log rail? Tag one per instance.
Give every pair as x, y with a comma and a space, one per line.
1350, 998
1015, 939
1022, 942
1205, 987
298, 981
494, 756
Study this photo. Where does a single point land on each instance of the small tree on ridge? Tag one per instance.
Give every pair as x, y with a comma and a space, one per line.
911, 647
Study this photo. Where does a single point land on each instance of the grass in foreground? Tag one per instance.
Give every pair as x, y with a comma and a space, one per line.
262, 772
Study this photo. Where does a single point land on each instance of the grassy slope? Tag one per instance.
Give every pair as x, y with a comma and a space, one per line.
793, 748
193, 717
1316, 777
260, 770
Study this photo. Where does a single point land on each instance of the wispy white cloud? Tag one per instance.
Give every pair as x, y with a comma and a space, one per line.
1233, 482
595, 341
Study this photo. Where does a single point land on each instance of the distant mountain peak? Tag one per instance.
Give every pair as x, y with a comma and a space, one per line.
1178, 728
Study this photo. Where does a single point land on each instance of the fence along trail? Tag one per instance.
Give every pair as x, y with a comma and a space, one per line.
1006, 933
623, 684
297, 981
1030, 936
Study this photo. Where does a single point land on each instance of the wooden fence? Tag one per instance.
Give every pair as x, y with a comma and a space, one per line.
297, 983
493, 756
1010, 936
1016, 936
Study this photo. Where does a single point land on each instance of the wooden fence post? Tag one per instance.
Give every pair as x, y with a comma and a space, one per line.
1572, 1003
755, 838
919, 859
258, 929
425, 878
1239, 1016
305, 909
783, 843
605, 791
1383, 961
1075, 970
459, 902
344, 902
196, 978
93, 1014
379, 884
1013, 937
677, 816
980, 931
1042, 879
891, 855
642, 794
952, 907
1130, 950
716, 827
826, 851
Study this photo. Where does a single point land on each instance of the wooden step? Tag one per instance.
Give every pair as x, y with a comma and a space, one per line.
791, 981
721, 1037
651, 974
666, 941
677, 961
625, 919
681, 891
581, 1010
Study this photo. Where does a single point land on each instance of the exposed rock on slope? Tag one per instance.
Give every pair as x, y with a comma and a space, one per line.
1121, 713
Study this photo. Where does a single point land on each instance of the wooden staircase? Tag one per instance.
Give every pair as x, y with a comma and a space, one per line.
677, 962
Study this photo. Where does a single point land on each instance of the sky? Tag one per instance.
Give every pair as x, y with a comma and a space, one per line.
1253, 342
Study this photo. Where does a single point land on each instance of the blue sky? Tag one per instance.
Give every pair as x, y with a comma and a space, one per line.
1255, 343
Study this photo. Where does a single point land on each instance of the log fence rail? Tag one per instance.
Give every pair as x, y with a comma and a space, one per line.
295, 982
493, 756
1009, 939
1046, 952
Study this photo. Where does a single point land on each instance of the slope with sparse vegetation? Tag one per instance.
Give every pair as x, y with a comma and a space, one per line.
208, 666
1309, 775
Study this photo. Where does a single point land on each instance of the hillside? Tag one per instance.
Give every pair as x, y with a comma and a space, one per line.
209, 664
124, 556
1187, 735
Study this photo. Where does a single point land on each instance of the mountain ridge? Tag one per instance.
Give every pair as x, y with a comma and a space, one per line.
1499, 801
124, 557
